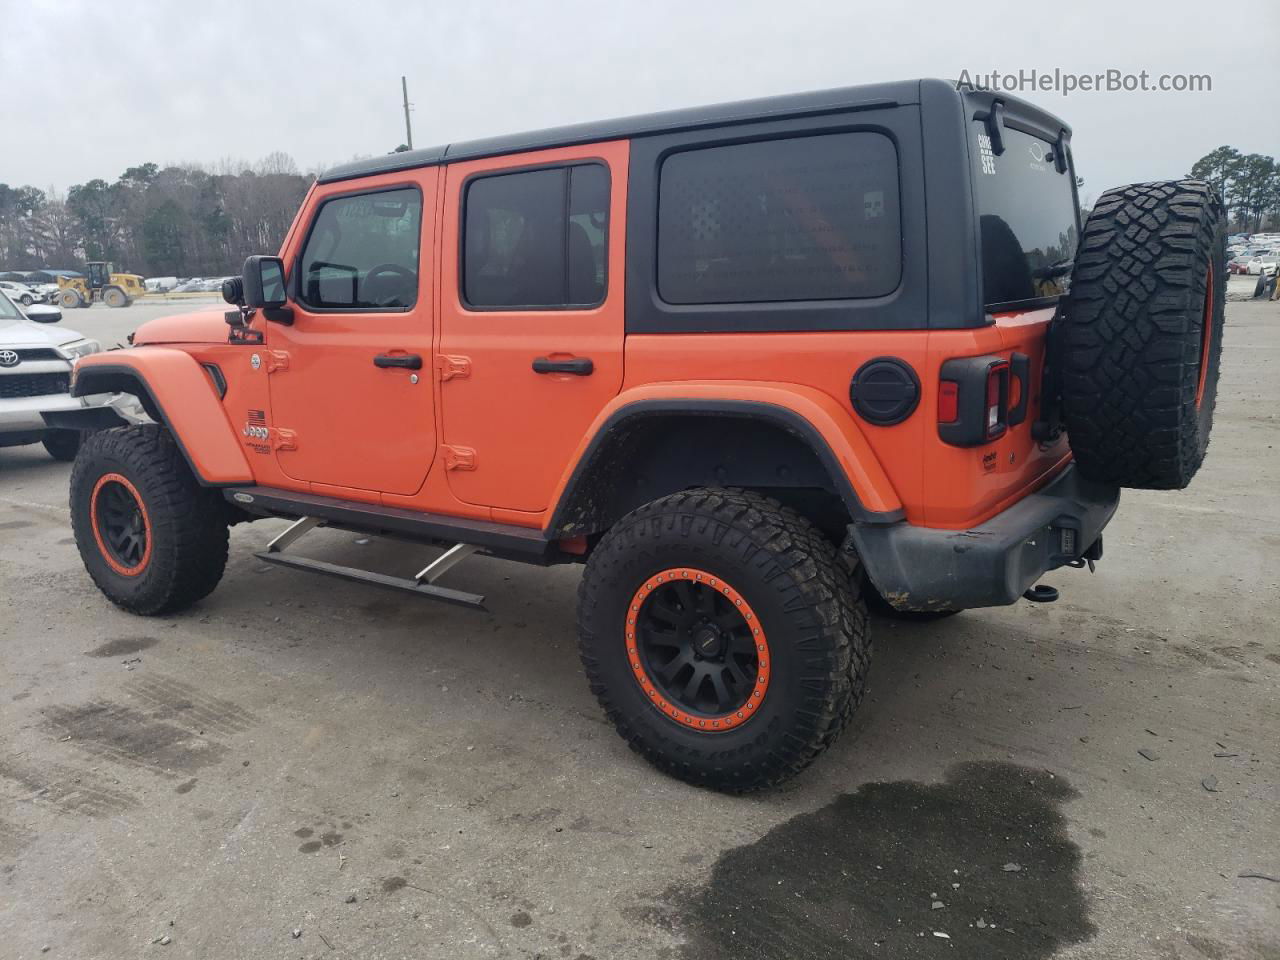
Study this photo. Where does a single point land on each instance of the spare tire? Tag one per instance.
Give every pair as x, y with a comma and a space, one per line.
1141, 334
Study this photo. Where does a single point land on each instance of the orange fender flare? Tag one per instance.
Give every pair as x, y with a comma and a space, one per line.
180, 391
827, 426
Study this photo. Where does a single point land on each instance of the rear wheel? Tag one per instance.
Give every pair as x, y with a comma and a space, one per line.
27, 299
62, 444
152, 539
1142, 334
724, 637
115, 297
69, 299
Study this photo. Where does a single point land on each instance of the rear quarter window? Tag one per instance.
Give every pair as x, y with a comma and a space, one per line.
802, 218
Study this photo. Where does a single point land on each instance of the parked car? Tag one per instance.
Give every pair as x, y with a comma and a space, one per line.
772, 420
1263, 263
36, 360
19, 292
1239, 263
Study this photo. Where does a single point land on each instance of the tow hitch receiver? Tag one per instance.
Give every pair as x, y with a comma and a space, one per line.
1042, 593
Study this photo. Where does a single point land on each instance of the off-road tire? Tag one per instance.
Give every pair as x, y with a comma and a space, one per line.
1142, 334
187, 522
69, 299
805, 600
115, 297
62, 444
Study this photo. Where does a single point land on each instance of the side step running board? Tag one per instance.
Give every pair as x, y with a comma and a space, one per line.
473, 600
423, 584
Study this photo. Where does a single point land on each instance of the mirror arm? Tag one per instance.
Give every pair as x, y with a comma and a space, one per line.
280, 315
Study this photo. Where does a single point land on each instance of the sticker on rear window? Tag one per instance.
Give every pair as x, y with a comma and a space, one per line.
988, 158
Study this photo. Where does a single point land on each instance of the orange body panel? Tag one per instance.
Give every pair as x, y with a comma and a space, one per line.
186, 395
524, 426
838, 428
356, 425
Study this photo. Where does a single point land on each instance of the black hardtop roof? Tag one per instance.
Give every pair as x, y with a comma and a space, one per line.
839, 100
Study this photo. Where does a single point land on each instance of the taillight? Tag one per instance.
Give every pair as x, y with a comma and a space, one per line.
973, 400
997, 394
948, 401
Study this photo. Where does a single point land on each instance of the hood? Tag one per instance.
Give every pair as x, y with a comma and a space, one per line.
207, 326
24, 333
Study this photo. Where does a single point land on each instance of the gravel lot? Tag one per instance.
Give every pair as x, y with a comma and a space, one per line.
300, 767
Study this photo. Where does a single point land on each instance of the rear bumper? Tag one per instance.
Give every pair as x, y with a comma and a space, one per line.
990, 565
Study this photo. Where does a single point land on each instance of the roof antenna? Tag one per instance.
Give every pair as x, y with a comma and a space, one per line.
408, 127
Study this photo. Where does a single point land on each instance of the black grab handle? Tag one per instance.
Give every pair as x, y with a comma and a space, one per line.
410, 361
578, 366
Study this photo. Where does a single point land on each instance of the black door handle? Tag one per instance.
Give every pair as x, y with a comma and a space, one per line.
410, 361
578, 366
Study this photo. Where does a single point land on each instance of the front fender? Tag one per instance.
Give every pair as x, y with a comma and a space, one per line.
172, 384
827, 427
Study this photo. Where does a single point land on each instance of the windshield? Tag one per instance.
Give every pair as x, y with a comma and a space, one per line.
7, 310
1029, 221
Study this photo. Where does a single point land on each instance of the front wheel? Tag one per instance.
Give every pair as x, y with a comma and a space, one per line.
724, 637
152, 539
62, 444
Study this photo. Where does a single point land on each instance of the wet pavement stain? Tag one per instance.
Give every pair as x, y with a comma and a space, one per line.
122, 647
124, 735
860, 876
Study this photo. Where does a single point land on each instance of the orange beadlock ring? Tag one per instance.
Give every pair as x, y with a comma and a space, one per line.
718, 723
1206, 335
112, 562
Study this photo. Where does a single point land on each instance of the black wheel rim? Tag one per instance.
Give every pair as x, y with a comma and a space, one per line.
698, 648
122, 526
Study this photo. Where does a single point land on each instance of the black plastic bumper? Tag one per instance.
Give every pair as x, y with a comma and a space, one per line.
990, 565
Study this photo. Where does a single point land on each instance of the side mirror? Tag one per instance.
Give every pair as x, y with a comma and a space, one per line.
40, 313
264, 283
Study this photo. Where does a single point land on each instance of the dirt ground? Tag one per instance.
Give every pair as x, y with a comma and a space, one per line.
301, 767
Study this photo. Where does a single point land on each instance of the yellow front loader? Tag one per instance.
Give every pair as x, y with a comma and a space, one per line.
100, 282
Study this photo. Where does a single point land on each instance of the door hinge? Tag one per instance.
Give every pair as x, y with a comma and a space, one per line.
283, 439
458, 458
452, 366
277, 360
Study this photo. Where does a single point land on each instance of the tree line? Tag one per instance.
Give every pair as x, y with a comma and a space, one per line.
1248, 183
186, 220
182, 220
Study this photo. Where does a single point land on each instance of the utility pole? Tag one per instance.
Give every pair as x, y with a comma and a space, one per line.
408, 127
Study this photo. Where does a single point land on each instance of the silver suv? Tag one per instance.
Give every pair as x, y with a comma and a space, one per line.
35, 377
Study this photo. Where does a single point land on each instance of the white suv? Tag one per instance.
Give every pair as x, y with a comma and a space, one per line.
35, 377
20, 293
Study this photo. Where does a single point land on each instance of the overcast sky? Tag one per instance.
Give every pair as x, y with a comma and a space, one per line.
90, 87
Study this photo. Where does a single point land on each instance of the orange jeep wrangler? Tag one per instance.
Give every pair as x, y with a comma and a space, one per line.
754, 365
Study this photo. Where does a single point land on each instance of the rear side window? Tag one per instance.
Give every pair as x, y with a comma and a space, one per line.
536, 239
804, 218
362, 252
1028, 220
